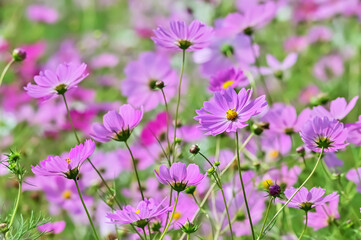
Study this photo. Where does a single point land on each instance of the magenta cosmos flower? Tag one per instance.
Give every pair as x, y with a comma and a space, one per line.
141, 77
117, 126
68, 164
338, 108
50, 83
231, 77
144, 212
323, 133
306, 200
228, 111
179, 176
179, 36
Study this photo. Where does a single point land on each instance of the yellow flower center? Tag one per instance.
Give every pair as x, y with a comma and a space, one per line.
274, 154
227, 84
68, 160
67, 194
267, 183
177, 215
137, 212
231, 115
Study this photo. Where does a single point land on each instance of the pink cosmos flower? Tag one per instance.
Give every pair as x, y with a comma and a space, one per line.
52, 227
307, 200
329, 67
319, 34
50, 84
228, 111
338, 109
141, 77
296, 44
104, 60
144, 212
178, 176
275, 145
67, 165
354, 132
179, 36
42, 13
331, 160
354, 175
324, 133
277, 68
324, 214
117, 126
285, 176
231, 77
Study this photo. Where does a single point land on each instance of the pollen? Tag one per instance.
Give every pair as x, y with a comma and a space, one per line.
68, 160
267, 183
274, 154
231, 115
137, 212
177, 215
227, 84
67, 194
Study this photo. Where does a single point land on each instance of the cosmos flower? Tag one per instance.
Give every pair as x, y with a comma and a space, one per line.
144, 212
141, 77
285, 176
179, 36
67, 165
276, 67
228, 111
306, 200
50, 84
354, 175
324, 214
117, 126
324, 133
42, 13
329, 67
231, 77
338, 109
354, 132
52, 227
178, 176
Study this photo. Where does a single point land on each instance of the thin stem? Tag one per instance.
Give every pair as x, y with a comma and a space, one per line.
171, 217
205, 213
243, 189
188, 235
304, 229
145, 235
168, 114
15, 209
71, 122
178, 101
86, 210
259, 72
294, 194
325, 169
5, 70
135, 170
267, 212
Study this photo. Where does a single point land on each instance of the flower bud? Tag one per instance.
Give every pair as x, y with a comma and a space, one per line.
155, 226
211, 171
274, 190
194, 149
301, 150
159, 84
258, 128
3, 227
178, 140
19, 54
217, 163
189, 227
190, 189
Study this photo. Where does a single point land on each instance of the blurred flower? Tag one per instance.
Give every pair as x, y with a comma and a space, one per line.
307, 200
324, 133
179, 36
285, 176
338, 109
319, 34
52, 227
329, 67
144, 212
354, 132
104, 60
275, 145
354, 175
68, 164
141, 76
308, 93
296, 44
331, 160
231, 77
228, 111
50, 84
277, 68
324, 214
117, 126
42, 13
178, 176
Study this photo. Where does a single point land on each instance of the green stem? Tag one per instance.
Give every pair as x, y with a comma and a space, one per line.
5, 70
168, 114
15, 209
71, 122
86, 210
178, 101
267, 212
145, 235
304, 229
171, 217
205, 213
135, 170
325, 169
243, 189
294, 194
188, 236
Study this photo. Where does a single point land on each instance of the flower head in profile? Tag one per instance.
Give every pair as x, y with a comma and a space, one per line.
324, 214
50, 84
231, 77
117, 125
179, 36
144, 212
179, 177
52, 227
323, 133
67, 165
306, 200
228, 111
